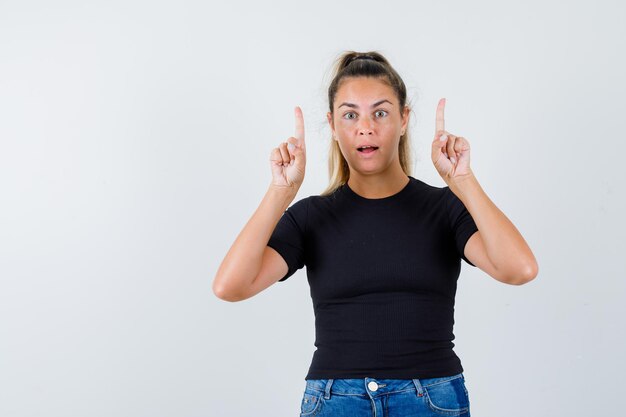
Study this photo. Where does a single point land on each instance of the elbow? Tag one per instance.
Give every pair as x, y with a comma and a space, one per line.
222, 295
221, 292
525, 275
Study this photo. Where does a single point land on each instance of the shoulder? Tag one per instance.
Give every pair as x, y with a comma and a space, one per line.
440, 192
423, 186
298, 211
312, 203
431, 194
300, 204
320, 201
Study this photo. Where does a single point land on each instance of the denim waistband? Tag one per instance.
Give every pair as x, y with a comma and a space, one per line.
374, 386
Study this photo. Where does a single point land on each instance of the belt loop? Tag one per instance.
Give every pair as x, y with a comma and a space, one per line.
329, 383
418, 387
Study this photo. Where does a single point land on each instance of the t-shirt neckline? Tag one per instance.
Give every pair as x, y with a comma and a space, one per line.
376, 201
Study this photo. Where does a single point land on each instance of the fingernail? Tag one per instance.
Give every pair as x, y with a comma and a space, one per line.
443, 137
291, 146
453, 159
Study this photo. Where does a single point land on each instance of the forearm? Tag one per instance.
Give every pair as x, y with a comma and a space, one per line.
506, 248
244, 258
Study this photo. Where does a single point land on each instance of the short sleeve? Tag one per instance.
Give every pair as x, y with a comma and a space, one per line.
288, 236
461, 222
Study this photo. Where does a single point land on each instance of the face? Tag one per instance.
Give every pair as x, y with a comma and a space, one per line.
366, 112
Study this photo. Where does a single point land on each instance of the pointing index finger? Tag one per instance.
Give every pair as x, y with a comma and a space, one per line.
299, 125
439, 122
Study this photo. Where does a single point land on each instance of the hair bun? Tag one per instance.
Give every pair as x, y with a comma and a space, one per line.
362, 56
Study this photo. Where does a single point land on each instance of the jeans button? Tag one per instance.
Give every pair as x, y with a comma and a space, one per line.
372, 385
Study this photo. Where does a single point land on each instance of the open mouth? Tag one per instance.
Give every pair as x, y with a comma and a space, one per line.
367, 149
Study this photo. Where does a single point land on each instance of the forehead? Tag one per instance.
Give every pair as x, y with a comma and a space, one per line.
363, 89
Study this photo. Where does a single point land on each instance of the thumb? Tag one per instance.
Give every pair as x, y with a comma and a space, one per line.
441, 138
297, 158
296, 148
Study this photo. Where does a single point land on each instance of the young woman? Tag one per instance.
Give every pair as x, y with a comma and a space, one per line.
383, 251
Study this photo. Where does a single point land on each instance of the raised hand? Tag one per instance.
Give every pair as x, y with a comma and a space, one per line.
288, 160
450, 154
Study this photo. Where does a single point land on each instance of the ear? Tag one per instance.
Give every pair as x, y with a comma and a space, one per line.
405, 118
329, 116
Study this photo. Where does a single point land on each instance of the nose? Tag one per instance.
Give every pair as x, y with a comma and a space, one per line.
364, 127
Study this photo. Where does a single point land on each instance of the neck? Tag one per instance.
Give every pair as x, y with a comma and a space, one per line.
379, 185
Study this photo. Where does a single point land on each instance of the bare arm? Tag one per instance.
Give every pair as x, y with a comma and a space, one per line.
250, 265
497, 248
244, 260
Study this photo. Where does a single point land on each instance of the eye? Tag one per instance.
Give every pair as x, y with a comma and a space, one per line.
381, 111
347, 114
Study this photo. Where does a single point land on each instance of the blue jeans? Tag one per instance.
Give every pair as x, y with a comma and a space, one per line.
371, 397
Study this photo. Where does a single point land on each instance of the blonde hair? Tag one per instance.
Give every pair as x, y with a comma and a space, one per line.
363, 64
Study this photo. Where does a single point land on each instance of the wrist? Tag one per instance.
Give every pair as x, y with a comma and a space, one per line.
463, 184
283, 193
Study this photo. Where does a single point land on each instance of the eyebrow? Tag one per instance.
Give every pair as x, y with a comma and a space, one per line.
354, 106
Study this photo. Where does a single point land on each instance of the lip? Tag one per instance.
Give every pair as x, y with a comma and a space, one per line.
368, 155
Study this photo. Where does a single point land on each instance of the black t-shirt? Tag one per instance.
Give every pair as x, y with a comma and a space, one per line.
382, 275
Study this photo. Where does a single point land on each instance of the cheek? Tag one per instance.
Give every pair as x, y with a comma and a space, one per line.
344, 124
341, 148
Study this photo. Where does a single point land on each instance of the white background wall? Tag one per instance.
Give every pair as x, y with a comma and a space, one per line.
134, 145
